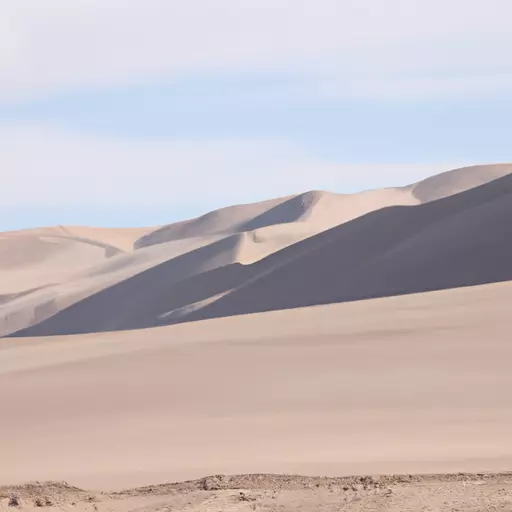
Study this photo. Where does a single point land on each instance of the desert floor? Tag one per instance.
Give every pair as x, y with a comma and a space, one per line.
236, 343
414, 384
454, 493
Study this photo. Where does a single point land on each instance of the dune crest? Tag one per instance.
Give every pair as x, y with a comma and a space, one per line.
458, 180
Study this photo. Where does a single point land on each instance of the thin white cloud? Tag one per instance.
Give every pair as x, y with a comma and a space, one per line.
42, 167
53, 45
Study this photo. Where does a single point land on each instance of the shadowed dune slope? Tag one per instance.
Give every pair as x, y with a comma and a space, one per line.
319, 209
150, 269
324, 209
21, 310
267, 227
224, 220
120, 305
457, 241
147, 298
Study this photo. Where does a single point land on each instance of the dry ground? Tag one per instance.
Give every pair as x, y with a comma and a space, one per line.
454, 493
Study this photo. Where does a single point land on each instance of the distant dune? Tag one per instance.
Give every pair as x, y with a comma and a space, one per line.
456, 181
38, 257
323, 209
318, 209
447, 231
461, 240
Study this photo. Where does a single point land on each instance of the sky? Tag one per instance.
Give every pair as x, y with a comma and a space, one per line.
129, 112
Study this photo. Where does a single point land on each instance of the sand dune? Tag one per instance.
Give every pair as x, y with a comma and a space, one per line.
456, 181
120, 305
324, 209
33, 258
127, 295
411, 384
32, 307
267, 227
318, 209
458, 240
142, 275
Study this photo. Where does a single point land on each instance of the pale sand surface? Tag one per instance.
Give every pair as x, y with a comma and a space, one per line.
33, 258
410, 385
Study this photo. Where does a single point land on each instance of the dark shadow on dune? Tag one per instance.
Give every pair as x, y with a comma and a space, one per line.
157, 309
462, 240
458, 241
284, 213
140, 300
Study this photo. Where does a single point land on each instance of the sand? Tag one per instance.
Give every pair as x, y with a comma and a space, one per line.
68, 264
33, 258
460, 240
410, 384
289, 256
318, 334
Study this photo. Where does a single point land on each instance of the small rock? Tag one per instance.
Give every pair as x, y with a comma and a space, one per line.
14, 501
245, 497
43, 502
214, 483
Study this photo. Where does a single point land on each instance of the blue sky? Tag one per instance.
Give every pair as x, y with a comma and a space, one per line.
134, 113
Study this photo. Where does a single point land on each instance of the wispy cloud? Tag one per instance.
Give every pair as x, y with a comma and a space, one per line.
51, 46
231, 101
45, 167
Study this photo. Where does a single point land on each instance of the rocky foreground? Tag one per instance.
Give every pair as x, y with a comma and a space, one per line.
457, 492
